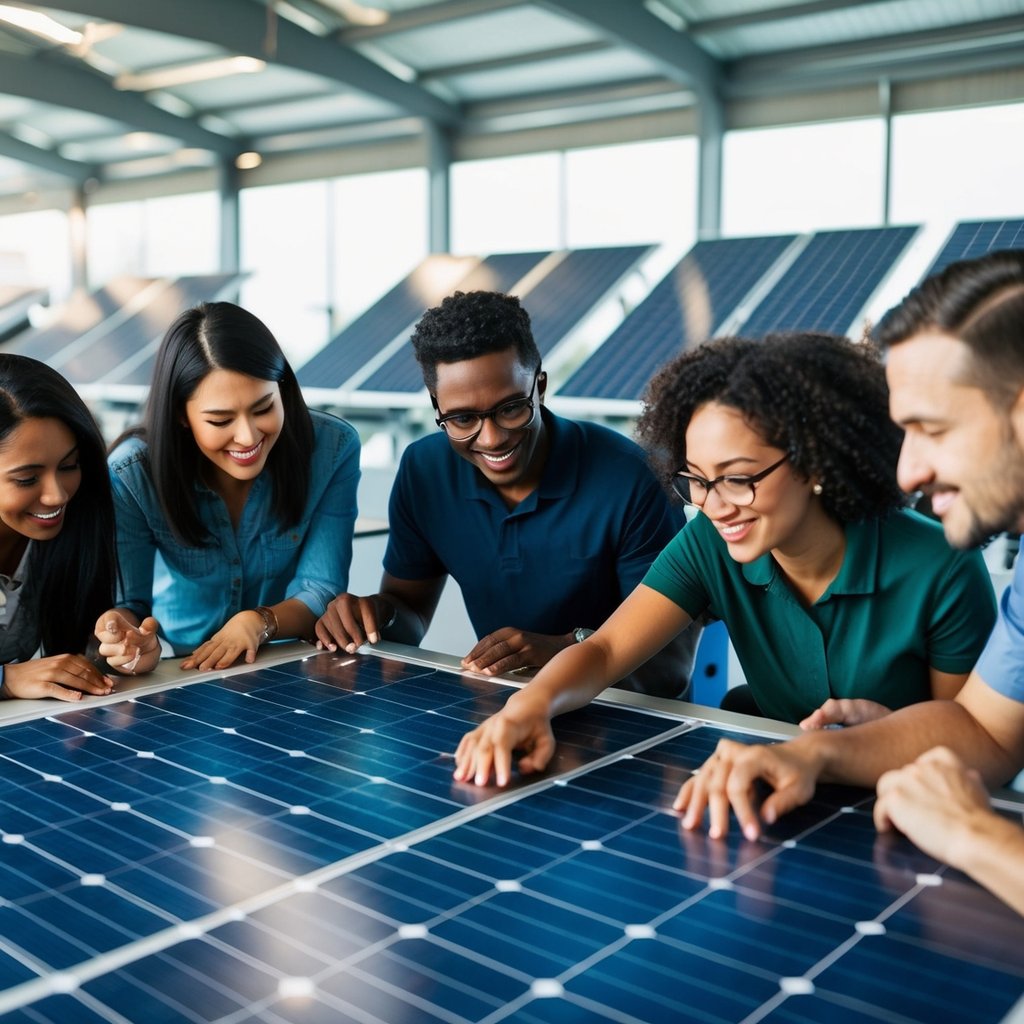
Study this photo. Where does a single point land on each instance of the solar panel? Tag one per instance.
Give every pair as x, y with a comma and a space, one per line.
287, 845
81, 315
974, 238
498, 273
830, 282
388, 317
15, 303
686, 307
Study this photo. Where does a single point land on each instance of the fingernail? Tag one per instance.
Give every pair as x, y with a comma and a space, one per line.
750, 832
351, 648
374, 638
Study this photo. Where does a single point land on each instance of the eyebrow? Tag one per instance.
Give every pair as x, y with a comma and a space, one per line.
39, 465
729, 463
232, 412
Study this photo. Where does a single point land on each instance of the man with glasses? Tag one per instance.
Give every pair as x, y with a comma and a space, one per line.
546, 524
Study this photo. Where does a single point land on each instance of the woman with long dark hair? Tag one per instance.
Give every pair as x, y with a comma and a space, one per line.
57, 557
841, 604
235, 503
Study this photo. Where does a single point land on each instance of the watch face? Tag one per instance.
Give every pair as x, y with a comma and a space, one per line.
581, 633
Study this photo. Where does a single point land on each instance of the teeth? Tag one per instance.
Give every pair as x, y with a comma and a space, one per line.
500, 458
48, 515
733, 529
246, 454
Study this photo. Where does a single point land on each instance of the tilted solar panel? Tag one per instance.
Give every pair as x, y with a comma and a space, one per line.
971, 239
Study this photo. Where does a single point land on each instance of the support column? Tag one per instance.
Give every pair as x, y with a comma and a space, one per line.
885, 108
78, 238
711, 114
227, 190
439, 161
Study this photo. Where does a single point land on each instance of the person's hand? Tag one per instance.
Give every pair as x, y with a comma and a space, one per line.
128, 648
728, 777
64, 676
936, 802
239, 636
351, 621
845, 711
521, 725
508, 649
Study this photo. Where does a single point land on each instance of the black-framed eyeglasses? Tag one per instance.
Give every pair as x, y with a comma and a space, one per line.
512, 415
735, 490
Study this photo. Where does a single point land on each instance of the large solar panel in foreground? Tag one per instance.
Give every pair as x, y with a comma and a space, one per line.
830, 282
288, 845
971, 239
686, 307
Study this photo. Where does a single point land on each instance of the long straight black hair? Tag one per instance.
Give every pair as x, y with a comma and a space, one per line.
74, 572
221, 336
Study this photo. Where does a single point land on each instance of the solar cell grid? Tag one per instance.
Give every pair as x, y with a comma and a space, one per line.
971, 239
830, 282
208, 892
686, 307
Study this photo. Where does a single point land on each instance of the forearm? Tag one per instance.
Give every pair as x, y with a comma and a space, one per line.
860, 754
294, 619
400, 623
571, 680
991, 850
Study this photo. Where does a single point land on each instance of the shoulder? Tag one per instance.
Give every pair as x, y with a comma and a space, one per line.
332, 431
428, 453
604, 446
914, 535
130, 456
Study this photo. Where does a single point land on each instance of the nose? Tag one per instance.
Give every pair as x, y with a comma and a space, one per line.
725, 508
491, 435
246, 433
53, 494
912, 470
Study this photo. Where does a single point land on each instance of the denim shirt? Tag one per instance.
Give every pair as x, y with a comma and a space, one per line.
194, 591
19, 613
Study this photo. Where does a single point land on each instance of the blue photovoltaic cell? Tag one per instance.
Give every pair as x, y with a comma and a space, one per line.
388, 317
830, 282
499, 273
971, 239
685, 308
259, 832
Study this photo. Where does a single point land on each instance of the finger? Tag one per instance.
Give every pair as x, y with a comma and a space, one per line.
503, 764
537, 759
815, 720
482, 763
464, 756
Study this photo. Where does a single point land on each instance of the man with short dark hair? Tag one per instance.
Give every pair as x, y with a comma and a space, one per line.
545, 523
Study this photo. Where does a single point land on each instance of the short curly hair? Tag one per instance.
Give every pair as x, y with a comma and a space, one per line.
471, 324
820, 398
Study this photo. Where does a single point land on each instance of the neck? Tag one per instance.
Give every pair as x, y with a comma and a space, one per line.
814, 559
234, 493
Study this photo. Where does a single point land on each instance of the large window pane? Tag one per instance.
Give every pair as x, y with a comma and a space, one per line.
631, 194
285, 250
35, 250
958, 164
380, 234
803, 178
506, 205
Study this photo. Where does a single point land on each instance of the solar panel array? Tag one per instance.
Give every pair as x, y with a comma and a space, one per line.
830, 282
685, 308
288, 845
15, 302
971, 239
498, 273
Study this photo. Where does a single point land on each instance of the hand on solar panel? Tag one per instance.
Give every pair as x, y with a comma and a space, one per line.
509, 649
844, 711
239, 636
351, 621
128, 646
728, 778
522, 725
64, 676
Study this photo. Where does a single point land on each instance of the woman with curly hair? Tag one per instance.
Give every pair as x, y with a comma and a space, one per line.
840, 603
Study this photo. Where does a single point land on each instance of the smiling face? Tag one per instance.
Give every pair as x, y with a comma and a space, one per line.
235, 420
784, 511
958, 448
512, 460
39, 475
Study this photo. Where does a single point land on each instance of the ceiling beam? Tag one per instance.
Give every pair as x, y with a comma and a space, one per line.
241, 26
45, 159
988, 45
627, 23
63, 84
426, 16
773, 14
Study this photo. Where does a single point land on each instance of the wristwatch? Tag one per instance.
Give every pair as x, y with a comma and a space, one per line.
580, 633
270, 626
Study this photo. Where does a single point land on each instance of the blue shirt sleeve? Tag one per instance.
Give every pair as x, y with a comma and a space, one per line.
326, 556
1002, 662
136, 545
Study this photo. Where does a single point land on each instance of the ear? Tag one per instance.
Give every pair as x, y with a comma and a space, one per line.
542, 384
1017, 418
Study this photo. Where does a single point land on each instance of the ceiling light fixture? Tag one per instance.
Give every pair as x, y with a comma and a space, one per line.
39, 24
186, 74
248, 161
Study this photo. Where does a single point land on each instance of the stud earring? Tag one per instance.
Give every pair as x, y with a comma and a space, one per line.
817, 489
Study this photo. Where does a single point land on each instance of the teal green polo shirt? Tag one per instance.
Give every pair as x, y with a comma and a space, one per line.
902, 602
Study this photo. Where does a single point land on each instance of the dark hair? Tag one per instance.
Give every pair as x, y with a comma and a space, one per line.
822, 399
471, 324
981, 303
220, 336
74, 572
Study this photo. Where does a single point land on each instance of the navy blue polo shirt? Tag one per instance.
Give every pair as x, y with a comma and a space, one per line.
566, 556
